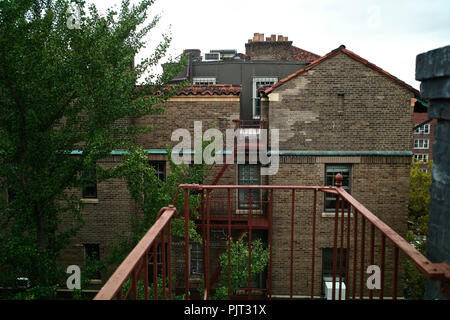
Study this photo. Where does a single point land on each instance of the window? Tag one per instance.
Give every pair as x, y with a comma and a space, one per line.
249, 174
204, 81
196, 259
257, 84
92, 256
89, 180
421, 157
11, 195
331, 172
421, 144
424, 129
158, 261
327, 264
160, 169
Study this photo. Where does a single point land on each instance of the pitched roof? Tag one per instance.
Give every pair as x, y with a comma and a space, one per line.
299, 54
352, 55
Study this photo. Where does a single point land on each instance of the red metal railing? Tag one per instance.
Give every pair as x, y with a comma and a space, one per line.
224, 209
136, 265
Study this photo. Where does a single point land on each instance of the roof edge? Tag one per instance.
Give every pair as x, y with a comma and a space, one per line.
352, 55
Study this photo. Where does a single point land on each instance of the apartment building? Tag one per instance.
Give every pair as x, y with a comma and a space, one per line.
337, 113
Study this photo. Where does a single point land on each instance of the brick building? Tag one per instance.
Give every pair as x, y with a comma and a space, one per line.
336, 114
423, 133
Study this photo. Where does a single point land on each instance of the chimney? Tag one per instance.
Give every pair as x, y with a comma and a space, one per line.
269, 48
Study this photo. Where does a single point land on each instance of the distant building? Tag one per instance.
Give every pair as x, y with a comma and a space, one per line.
423, 133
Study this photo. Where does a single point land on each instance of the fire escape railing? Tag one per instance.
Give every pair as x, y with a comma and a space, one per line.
258, 214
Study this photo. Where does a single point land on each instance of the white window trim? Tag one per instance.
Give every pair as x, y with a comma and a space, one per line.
423, 147
421, 157
424, 129
254, 97
190, 264
204, 80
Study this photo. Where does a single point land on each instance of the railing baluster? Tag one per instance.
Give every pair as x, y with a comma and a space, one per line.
169, 258
341, 252
394, 281
250, 247
229, 242
271, 241
155, 271
361, 269
313, 244
291, 278
347, 256
163, 265
336, 219
383, 246
355, 252
119, 294
203, 218
208, 234
372, 253
145, 267
186, 242
134, 284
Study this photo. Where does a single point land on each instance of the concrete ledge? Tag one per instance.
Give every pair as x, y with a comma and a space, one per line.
433, 64
90, 201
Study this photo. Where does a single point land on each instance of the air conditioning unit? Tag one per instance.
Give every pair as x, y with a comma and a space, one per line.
212, 56
329, 290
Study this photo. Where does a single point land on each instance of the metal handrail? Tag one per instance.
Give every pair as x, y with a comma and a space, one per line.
140, 253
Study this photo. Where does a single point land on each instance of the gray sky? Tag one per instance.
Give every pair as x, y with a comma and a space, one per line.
388, 33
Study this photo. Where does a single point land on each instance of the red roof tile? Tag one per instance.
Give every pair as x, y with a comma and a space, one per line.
205, 90
303, 55
216, 89
351, 55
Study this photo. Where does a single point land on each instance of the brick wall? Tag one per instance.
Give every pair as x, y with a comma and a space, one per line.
341, 104
108, 216
379, 187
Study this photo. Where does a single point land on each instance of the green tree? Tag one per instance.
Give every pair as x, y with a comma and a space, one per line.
419, 201
239, 266
151, 194
65, 89
419, 189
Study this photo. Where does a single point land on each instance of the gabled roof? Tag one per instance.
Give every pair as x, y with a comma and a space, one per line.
352, 55
299, 54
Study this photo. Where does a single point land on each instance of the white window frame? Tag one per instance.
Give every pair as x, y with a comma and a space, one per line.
424, 129
199, 260
422, 144
204, 81
421, 157
255, 95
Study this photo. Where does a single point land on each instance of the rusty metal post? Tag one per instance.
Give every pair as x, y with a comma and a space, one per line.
291, 282
313, 244
270, 243
355, 252
229, 242
383, 246
186, 242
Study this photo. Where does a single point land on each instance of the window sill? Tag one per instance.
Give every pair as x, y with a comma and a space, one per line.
195, 279
333, 214
91, 201
95, 281
255, 212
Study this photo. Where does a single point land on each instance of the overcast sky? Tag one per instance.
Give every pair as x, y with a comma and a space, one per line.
388, 33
